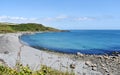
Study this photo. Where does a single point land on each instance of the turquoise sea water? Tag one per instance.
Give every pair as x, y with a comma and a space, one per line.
84, 41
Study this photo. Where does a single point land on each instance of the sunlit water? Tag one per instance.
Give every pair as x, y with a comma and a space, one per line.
84, 41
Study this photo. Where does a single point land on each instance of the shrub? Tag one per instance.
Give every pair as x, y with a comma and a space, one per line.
25, 70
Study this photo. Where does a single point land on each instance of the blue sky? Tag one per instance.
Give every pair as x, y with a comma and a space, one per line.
63, 14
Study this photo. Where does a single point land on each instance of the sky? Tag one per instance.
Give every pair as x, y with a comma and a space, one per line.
63, 14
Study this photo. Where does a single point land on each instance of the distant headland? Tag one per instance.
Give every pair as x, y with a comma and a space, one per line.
23, 27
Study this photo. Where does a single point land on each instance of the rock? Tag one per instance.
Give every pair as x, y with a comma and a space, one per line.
102, 65
94, 65
106, 57
94, 68
106, 70
119, 62
6, 52
100, 57
88, 63
79, 54
115, 53
107, 63
118, 55
72, 66
109, 74
2, 62
114, 57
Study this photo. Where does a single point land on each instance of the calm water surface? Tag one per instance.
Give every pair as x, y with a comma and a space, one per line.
84, 41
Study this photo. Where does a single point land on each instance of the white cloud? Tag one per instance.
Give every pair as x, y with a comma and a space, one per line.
57, 18
84, 18
11, 18
47, 19
16, 19
61, 17
68, 18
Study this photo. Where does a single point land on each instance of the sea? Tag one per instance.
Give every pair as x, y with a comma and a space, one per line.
96, 42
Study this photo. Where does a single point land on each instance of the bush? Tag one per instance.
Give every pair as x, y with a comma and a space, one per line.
25, 70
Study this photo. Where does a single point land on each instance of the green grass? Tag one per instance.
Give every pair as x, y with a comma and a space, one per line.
33, 27
5, 28
25, 70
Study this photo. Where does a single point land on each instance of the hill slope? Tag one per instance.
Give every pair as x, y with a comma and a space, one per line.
24, 27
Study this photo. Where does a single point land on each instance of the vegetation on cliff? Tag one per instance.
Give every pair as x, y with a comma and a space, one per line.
33, 27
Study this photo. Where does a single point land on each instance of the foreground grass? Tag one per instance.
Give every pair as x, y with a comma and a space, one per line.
25, 70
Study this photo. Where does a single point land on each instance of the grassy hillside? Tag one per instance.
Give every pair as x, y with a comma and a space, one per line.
6, 27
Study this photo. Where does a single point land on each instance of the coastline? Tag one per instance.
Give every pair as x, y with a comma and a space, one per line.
89, 64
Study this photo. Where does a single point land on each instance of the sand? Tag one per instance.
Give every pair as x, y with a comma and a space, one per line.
11, 47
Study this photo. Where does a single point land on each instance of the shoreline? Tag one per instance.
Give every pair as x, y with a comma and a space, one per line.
112, 53
89, 64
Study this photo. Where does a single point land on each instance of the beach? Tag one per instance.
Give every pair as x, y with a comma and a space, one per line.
13, 49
